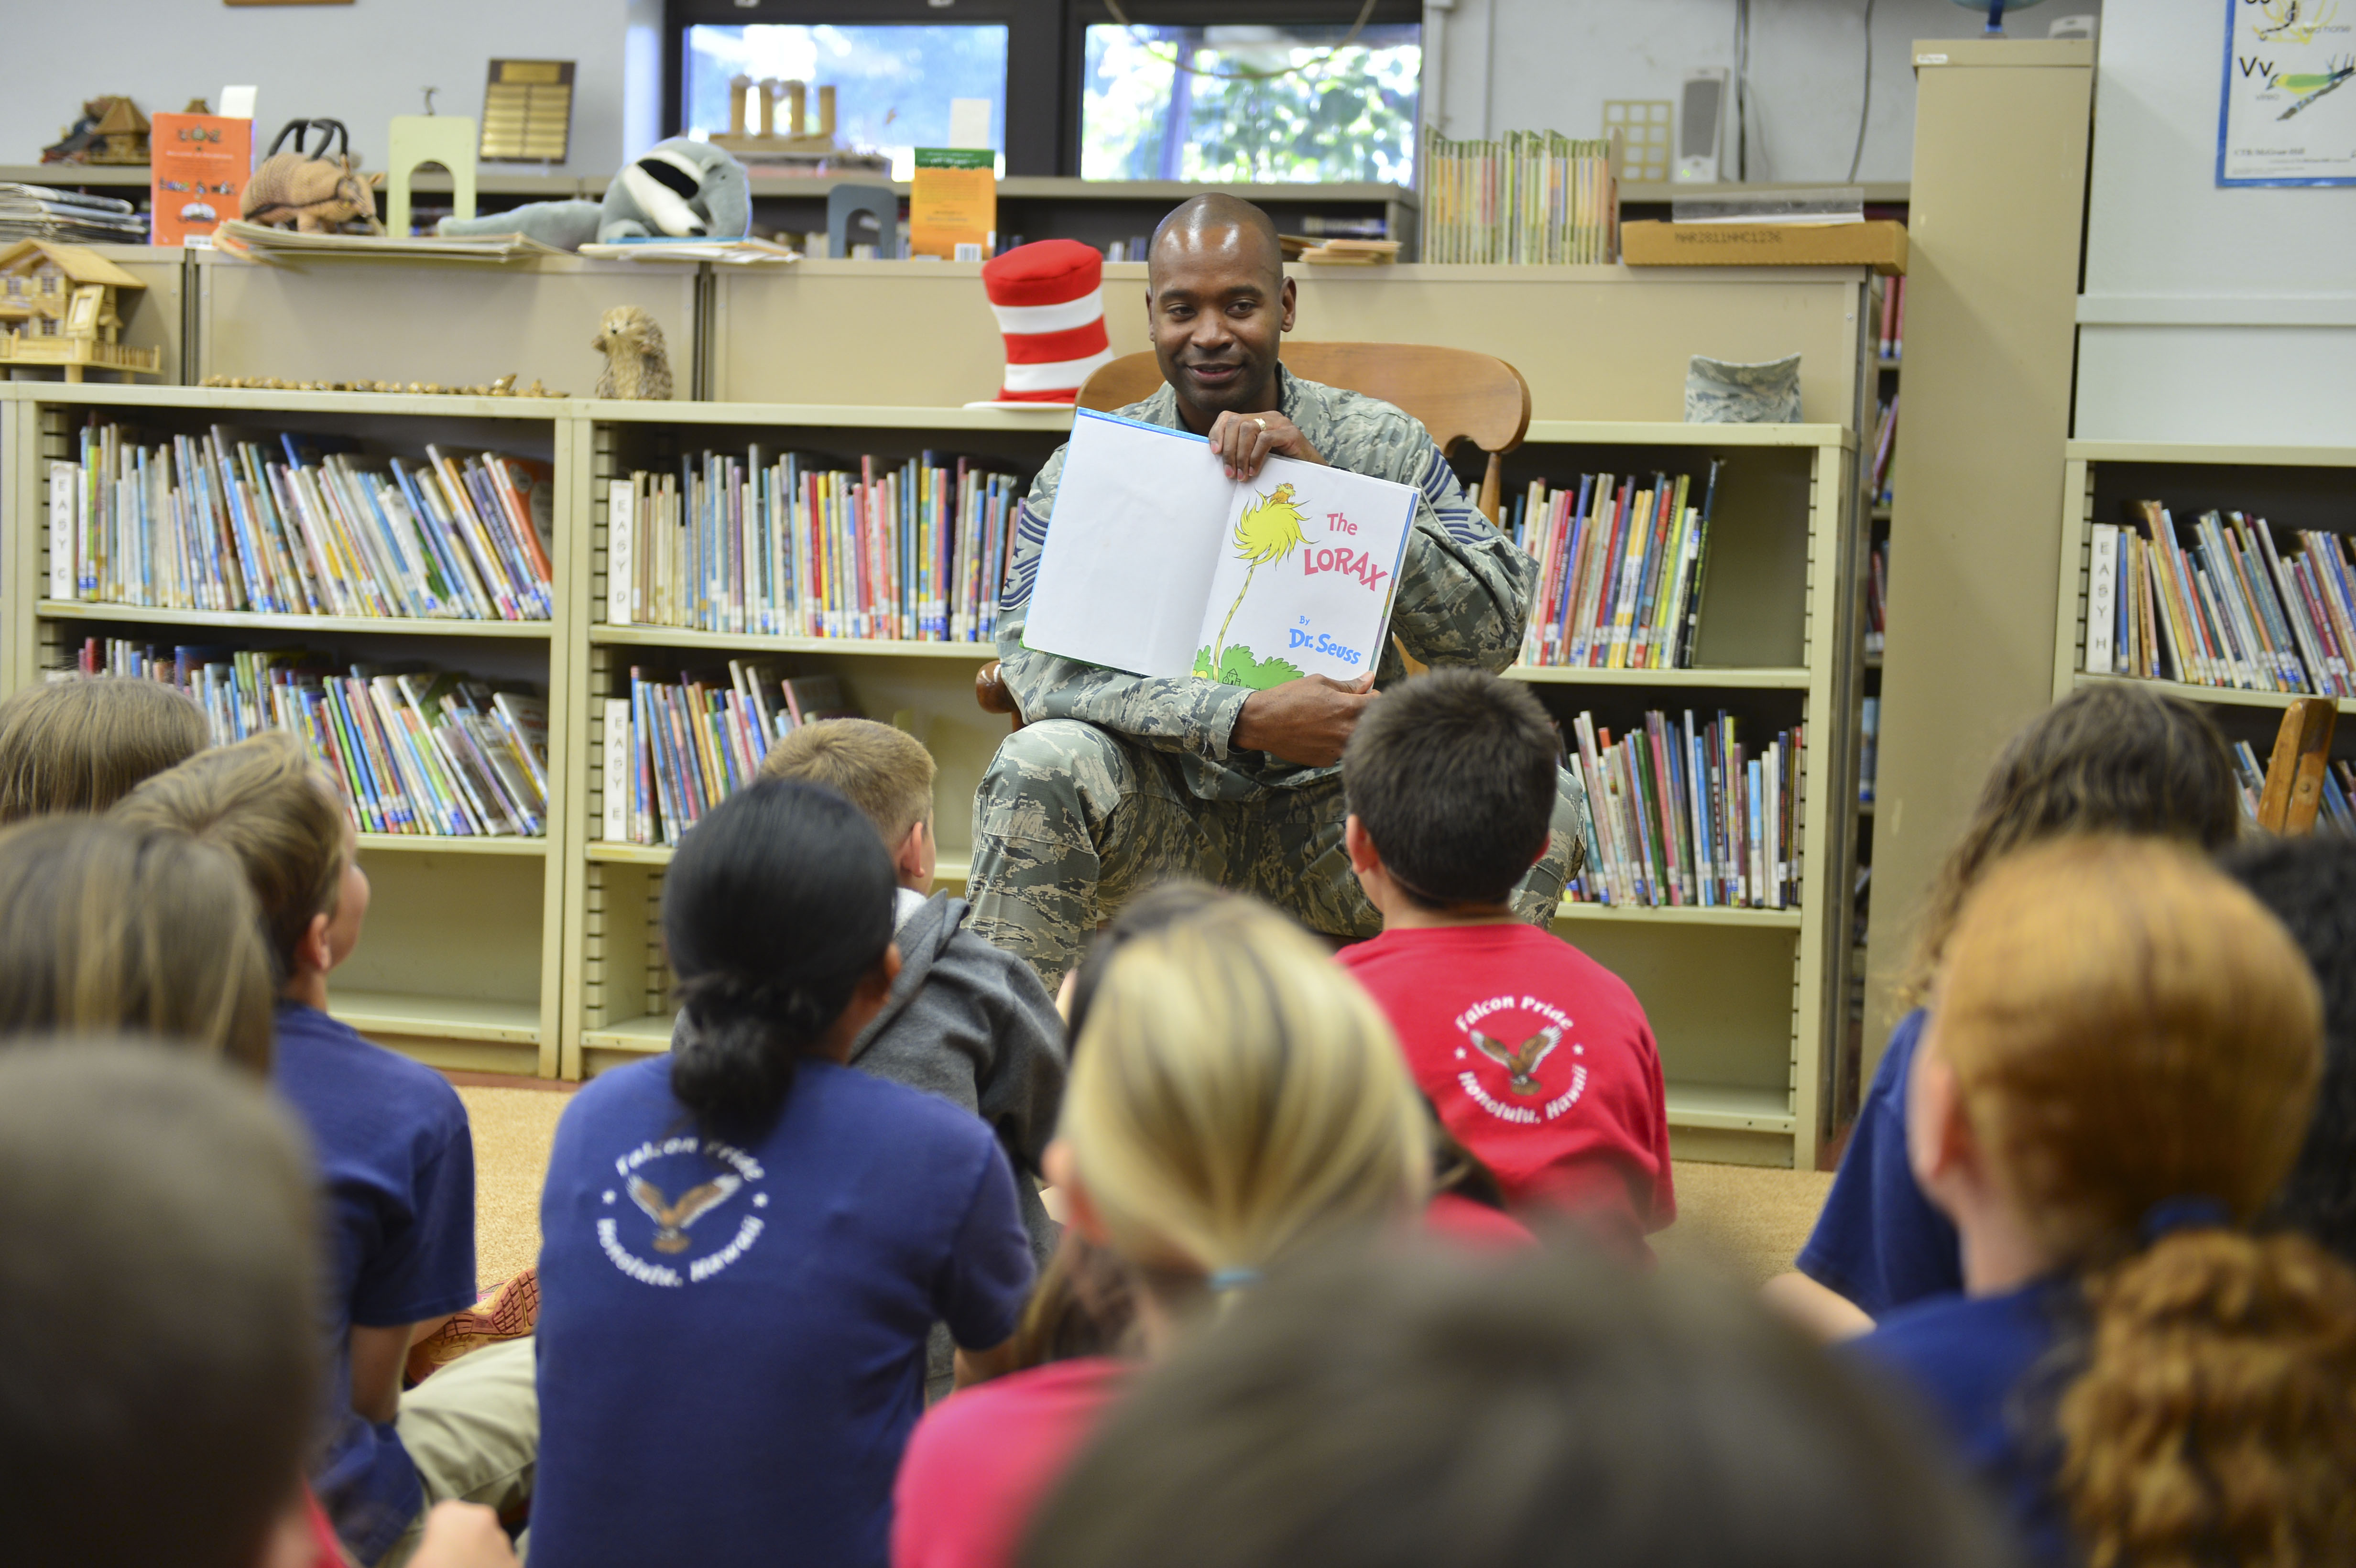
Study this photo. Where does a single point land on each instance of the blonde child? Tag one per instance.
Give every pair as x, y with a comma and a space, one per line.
79, 744
106, 927
1234, 1098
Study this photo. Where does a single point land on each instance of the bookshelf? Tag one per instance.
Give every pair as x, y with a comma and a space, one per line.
464, 940
544, 955
1745, 1049
2289, 487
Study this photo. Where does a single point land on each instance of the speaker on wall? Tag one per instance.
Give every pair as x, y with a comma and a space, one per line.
1701, 111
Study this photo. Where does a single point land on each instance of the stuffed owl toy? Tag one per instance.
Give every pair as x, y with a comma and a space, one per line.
681, 189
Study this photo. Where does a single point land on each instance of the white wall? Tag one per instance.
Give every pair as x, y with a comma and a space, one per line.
2211, 314
1549, 64
361, 63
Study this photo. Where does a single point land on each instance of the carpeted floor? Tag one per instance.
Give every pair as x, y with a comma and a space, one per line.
1743, 1221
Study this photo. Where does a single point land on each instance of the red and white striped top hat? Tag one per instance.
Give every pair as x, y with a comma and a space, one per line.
1049, 300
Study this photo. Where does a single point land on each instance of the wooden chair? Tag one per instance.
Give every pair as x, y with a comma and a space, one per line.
2294, 791
1458, 394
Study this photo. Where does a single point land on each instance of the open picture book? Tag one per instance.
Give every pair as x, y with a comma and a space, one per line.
1157, 563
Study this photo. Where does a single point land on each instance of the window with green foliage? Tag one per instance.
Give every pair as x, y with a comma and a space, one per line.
1260, 104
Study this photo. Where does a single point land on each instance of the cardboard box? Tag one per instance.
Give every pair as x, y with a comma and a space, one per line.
1879, 244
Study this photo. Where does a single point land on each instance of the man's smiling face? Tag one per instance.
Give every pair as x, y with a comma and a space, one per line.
1219, 305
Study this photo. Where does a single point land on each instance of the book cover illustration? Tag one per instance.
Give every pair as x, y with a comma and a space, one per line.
1159, 564
1307, 627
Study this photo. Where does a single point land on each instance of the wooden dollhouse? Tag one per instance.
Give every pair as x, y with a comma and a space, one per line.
60, 305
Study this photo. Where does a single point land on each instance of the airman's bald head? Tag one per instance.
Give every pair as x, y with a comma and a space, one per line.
1214, 223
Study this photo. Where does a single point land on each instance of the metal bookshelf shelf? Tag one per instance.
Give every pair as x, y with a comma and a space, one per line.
757, 642
1794, 678
450, 844
438, 1018
2230, 696
248, 620
1683, 914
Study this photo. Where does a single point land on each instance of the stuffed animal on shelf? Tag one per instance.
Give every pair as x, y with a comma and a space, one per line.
681, 189
313, 192
635, 366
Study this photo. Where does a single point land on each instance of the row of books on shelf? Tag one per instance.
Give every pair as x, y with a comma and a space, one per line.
789, 546
1621, 566
1528, 197
1868, 747
2227, 609
674, 749
1885, 447
414, 750
292, 527
1893, 321
1877, 598
2338, 810
1681, 815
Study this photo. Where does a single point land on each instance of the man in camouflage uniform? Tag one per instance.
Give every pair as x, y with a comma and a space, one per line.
1118, 780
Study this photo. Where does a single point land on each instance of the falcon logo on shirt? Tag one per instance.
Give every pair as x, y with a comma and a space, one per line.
1521, 1063
649, 1175
672, 1220
1522, 1034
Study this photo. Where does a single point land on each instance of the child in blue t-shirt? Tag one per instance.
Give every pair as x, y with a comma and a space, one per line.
2105, 758
744, 1244
396, 1161
2121, 1063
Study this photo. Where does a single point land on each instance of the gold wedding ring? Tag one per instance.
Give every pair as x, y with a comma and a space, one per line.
1262, 423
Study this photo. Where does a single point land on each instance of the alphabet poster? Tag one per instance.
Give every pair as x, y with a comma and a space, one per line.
2288, 114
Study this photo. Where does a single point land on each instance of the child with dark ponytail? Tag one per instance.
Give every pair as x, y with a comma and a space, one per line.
2120, 1065
744, 1245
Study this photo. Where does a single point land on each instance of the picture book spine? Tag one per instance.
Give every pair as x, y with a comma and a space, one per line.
2102, 594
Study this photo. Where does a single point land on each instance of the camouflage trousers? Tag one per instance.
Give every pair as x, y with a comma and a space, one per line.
1071, 822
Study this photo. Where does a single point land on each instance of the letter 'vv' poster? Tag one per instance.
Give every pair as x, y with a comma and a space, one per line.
2289, 112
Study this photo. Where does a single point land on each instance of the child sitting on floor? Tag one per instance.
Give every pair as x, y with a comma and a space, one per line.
965, 1020
1409, 1408
1538, 1059
1235, 1100
79, 744
107, 928
161, 1219
2121, 1061
2105, 758
396, 1155
2310, 885
744, 1244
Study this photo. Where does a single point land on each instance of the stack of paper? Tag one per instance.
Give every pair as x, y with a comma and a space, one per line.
38, 212
258, 243
734, 253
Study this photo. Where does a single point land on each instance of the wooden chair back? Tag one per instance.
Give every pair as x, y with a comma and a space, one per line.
2294, 791
1460, 395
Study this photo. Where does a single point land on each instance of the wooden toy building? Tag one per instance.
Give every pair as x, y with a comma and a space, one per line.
58, 306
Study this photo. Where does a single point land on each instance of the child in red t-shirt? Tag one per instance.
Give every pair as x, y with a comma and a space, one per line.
1537, 1058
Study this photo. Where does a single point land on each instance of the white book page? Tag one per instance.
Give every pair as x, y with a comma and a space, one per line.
1306, 572
1132, 546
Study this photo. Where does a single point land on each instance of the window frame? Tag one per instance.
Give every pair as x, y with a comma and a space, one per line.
1083, 14
1035, 66
1046, 44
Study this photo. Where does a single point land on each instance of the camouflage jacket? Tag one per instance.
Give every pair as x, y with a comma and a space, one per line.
1463, 592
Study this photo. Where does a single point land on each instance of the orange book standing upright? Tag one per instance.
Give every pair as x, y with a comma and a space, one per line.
201, 165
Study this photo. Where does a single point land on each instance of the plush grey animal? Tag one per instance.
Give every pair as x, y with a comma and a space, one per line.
681, 189
636, 365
